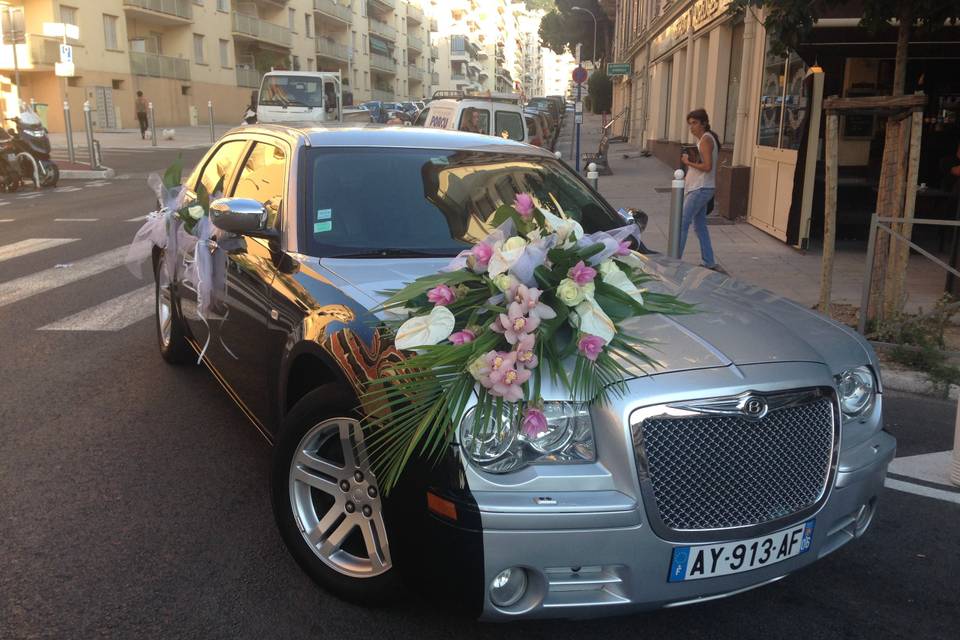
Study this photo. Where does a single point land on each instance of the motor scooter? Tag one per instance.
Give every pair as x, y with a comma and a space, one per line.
32, 146
9, 167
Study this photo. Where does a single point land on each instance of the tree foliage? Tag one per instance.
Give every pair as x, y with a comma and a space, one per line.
600, 90
562, 28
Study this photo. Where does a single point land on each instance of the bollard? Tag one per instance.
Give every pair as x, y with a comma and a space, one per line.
676, 214
153, 125
593, 177
955, 467
68, 127
88, 126
210, 116
98, 154
558, 155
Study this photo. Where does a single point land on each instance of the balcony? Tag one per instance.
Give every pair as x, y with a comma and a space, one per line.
334, 11
382, 63
383, 30
252, 28
434, 26
330, 49
434, 77
382, 5
162, 12
415, 42
457, 76
43, 51
434, 52
248, 77
415, 73
382, 94
156, 66
414, 14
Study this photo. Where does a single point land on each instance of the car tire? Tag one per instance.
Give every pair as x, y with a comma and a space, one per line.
171, 336
326, 501
53, 177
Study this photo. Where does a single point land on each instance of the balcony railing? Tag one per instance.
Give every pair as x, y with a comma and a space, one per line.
332, 49
248, 78
434, 51
383, 63
413, 42
434, 77
383, 29
43, 50
415, 73
253, 27
434, 26
382, 94
333, 9
384, 5
156, 66
458, 76
178, 8
414, 14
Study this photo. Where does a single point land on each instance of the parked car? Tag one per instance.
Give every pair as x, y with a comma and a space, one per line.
498, 115
539, 133
548, 104
380, 109
753, 449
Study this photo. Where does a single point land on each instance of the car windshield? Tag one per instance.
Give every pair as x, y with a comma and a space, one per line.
291, 91
429, 202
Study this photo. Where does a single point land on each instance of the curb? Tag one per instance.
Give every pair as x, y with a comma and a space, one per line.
86, 174
918, 383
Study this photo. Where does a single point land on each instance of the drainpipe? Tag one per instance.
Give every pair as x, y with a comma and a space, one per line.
740, 155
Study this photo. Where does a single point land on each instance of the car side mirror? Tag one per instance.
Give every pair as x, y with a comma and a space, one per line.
242, 216
640, 219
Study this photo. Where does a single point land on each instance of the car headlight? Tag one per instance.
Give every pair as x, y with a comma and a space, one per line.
501, 447
857, 389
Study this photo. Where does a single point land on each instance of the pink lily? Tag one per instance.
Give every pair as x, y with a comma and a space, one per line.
582, 274
534, 423
441, 295
523, 203
590, 346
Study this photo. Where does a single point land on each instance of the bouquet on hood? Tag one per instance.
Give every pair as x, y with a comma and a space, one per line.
533, 298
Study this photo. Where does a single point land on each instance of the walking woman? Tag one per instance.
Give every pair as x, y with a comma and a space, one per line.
700, 185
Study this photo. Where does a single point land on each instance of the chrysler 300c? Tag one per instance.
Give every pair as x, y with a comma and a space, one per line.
751, 448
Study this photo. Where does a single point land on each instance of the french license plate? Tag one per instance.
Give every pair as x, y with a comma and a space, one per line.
712, 560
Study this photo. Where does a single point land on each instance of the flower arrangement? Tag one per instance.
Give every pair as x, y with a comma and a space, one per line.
535, 294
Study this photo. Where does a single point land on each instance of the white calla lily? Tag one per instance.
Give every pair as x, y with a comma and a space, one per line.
421, 331
594, 321
621, 281
563, 227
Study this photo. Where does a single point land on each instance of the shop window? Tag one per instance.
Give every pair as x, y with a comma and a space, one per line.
117, 84
733, 84
783, 101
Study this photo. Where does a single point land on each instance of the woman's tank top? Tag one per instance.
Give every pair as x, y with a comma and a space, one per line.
696, 179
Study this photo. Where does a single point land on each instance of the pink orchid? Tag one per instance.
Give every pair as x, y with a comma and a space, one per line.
523, 203
510, 384
590, 346
534, 423
482, 253
441, 295
582, 274
462, 337
525, 356
623, 249
529, 299
515, 323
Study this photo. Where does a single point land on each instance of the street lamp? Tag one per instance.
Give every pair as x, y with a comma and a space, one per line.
594, 32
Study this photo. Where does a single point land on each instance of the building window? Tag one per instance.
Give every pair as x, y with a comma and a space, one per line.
363, 39
781, 84
366, 80
292, 19
356, 78
309, 64
363, 8
224, 53
110, 31
296, 63
308, 25
223, 5
68, 15
198, 56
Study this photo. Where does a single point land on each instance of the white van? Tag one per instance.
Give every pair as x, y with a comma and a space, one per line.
495, 115
299, 96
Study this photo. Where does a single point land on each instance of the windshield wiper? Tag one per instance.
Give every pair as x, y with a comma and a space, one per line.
393, 253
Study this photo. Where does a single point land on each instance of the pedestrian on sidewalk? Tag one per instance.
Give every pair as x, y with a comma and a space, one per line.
700, 184
141, 105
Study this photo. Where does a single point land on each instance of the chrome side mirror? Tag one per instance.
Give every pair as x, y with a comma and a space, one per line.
242, 216
640, 219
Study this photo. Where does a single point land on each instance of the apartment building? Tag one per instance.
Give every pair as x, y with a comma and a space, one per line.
184, 53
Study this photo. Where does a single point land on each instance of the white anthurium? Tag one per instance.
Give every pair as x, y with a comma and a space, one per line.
620, 280
594, 321
563, 227
505, 255
632, 260
421, 331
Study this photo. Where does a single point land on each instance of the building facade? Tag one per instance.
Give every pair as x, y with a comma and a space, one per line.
184, 53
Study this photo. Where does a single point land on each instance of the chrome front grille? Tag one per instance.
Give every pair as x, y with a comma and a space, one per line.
712, 466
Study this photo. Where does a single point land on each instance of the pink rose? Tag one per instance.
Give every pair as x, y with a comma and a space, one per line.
590, 346
623, 249
482, 253
534, 423
462, 337
441, 295
582, 274
524, 205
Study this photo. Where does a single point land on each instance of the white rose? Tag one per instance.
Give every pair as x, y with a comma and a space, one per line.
505, 255
570, 293
195, 211
504, 282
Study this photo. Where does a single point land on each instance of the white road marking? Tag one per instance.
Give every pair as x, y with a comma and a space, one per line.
24, 247
138, 218
75, 219
4, 203
932, 467
30, 196
96, 184
37, 283
112, 315
67, 189
922, 490
6, 219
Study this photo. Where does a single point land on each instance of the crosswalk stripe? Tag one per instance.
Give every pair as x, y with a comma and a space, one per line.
67, 189
75, 219
27, 286
112, 315
4, 203
6, 219
24, 247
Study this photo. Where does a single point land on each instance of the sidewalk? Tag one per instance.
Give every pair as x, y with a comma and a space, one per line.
184, 138
746, 252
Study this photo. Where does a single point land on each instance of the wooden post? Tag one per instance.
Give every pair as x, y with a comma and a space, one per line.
893, 295
888, 205
829, 211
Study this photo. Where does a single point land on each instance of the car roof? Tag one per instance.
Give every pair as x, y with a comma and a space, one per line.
378, 135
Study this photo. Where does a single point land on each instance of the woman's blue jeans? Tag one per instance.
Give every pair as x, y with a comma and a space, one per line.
695, 211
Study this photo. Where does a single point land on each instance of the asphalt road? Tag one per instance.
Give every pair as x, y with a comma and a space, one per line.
134, 502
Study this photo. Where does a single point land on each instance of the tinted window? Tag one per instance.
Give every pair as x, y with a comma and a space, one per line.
421, 120
509, 124
297, 91
429, 201
221, 165
474, 120
262, 179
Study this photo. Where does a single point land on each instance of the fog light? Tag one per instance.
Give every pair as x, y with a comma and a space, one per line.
865, 517
508, 587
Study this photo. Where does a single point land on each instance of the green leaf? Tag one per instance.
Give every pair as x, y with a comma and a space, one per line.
172, 176
591, 250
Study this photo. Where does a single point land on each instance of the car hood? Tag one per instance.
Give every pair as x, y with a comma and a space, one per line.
735, 323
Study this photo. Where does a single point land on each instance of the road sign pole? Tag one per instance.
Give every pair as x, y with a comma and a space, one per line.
578, 112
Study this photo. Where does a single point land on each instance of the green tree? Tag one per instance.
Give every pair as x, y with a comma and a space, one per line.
562, 28
600, 90
540, 5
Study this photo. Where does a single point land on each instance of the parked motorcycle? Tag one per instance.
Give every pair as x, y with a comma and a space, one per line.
32, 146
9, 166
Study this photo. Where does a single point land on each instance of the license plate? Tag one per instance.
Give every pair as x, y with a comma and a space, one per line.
712, 560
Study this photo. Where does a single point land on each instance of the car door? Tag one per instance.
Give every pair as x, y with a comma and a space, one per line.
220, 165
239, 351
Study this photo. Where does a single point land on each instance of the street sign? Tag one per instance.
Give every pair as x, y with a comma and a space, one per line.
578, 118
64, 69
579, 75
66, 53
618, 68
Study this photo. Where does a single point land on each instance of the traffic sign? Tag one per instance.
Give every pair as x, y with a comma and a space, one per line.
64, 69
66, 53
618, 68
579, 75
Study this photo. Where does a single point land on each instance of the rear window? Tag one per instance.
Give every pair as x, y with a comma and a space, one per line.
509, 124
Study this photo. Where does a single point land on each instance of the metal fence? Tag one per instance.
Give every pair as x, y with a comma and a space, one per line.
179, 8
261, 29
149, 64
